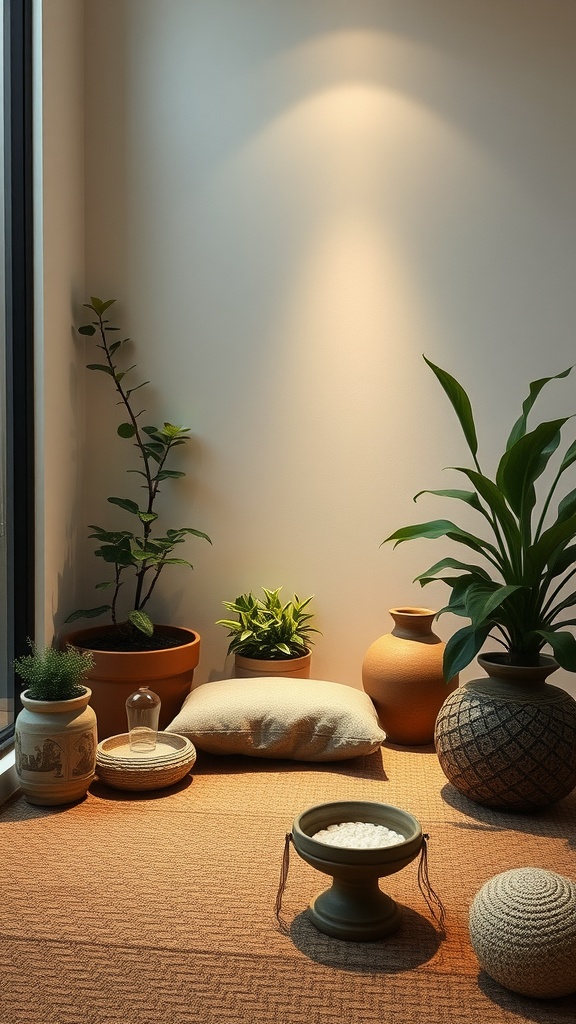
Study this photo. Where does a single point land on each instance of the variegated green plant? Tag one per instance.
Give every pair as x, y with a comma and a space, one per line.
521, 596
143, 554
269, 629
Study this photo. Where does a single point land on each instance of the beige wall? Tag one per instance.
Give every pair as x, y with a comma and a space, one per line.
293, 201
59, 227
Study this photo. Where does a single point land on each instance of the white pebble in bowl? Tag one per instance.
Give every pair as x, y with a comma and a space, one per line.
358, 835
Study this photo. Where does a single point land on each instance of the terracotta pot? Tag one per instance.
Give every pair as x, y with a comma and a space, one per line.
509, 740
296, 668
402, 673
117, 674
55, 745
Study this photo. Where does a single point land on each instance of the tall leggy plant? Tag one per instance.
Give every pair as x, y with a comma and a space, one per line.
141, 553
520, 593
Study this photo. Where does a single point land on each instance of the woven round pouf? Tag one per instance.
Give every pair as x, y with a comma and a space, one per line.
523, 931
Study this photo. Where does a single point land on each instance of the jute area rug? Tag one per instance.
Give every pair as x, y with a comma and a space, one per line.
129, 909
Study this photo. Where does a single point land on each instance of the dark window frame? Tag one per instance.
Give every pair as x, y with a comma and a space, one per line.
19, 327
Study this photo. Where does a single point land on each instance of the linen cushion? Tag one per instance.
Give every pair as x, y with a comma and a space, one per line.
272, 716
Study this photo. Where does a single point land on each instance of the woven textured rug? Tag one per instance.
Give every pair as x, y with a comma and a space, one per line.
136, 909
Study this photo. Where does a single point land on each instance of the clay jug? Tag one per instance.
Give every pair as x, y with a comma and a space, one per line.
402, 673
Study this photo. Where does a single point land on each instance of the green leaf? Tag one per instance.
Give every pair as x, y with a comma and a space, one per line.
147, 517
442, 528
470, 497
493, 497
100, 366
105, 586
563, 646
177, 561
99, 306
88, 329
547, 547
141, 621
126, 430
462, 648
115, 555
567, 507
569, 457
451, 563
482, 600
519, 428
88, 613
169, 474
522, 464
460, 403
125, 503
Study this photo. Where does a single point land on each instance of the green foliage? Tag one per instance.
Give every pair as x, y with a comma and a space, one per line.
50, 674
140, 554
269, 629
518, 597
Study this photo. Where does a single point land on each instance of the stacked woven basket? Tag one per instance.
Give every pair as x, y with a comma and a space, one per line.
119, 766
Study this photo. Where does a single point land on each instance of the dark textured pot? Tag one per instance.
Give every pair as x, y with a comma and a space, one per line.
508, 740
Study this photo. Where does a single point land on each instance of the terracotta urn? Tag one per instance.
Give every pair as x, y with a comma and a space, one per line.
402, 673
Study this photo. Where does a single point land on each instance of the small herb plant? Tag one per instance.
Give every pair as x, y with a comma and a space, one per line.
50, 674
141, 553
268, 629
521, 596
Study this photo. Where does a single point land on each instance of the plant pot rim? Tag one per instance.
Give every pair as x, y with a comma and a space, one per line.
81, 638
496, 659
274, 661
56, 705
415, 612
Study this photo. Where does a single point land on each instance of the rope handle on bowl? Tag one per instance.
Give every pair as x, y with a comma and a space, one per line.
284, 928
434, 903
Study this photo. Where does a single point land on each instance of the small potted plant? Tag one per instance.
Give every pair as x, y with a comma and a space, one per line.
55, 734
269, 638
509, 740
131, 650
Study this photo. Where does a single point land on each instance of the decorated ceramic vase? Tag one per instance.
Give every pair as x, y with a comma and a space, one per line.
55, 749
402, 673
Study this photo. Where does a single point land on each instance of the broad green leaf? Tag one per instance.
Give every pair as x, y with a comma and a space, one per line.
169, 474
522, 464
99, 306
462, 648
115, 555
482, 601
101, 367
126, 503
493, 497
126, 430
177, 561
88, 329
88, 613
561, 560
141, 621
567, 506
460, 403
443, 528
550, 544
563, 646
569, 457
519, 428
470, 497
451, 563
105, 586
147, 517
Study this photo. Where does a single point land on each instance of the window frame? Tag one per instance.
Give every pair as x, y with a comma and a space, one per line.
19, 334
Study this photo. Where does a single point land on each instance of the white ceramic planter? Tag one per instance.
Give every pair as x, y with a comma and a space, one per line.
55, 749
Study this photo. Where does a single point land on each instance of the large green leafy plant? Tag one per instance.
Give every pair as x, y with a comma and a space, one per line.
141, 553
269, 629
520, 596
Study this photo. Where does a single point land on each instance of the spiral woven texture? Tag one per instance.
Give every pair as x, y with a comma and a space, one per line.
523, 931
